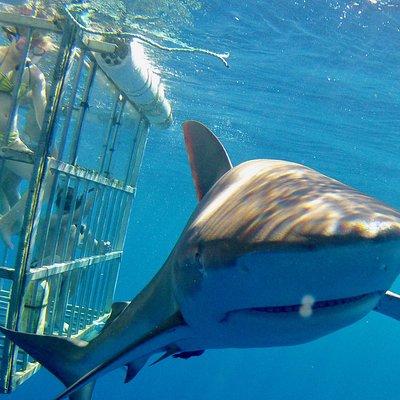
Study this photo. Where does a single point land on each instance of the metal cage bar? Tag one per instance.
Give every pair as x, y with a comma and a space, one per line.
9, 352
83, 108
71, 242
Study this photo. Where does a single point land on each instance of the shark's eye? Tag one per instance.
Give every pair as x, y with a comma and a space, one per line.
197, 257
311, 246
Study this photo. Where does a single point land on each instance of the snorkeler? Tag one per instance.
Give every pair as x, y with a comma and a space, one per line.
33, 87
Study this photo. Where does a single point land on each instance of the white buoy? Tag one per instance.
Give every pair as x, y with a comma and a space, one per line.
131, 71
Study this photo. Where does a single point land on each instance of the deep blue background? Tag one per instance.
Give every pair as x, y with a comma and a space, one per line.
315, 82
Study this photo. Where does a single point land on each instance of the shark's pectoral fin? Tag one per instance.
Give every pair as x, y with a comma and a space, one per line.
85, 393
389, 305
175, 352
160, 337
188, 354
207, 156
134, 367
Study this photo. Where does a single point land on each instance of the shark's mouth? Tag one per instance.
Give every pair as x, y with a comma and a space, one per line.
314, 306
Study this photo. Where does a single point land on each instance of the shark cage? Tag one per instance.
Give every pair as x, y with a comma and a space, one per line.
63, 236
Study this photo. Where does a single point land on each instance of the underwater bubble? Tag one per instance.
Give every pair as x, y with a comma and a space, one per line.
305, 311
308, 299
307, 303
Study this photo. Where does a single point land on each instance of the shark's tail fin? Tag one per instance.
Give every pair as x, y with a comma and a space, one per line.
59, 355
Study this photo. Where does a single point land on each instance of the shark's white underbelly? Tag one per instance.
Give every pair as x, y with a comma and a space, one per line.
234, 304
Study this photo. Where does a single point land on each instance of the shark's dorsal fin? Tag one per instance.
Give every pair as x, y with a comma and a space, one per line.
207, 156
389, 305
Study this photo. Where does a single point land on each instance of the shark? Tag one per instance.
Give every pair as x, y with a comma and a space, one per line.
275, 254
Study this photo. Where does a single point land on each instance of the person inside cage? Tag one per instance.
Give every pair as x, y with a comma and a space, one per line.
67, 233
32, 89
67, 229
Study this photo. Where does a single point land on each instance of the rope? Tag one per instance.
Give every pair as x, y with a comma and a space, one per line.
187, 49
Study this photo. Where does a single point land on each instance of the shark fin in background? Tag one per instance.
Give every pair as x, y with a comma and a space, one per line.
389, 305
57, 354
116, 310
172, 329
207, 156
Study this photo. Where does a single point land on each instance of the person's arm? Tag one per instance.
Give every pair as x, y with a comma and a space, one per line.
38, 93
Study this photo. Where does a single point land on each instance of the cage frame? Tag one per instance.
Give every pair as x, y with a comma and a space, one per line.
21, 275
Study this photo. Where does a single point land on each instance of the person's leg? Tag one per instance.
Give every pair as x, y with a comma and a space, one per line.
4, 205
10, 184
11, 222
17, 145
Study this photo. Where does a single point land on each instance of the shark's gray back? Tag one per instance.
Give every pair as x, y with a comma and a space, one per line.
273, 202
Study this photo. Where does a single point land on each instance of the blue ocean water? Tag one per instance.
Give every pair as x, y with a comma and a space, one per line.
316, 82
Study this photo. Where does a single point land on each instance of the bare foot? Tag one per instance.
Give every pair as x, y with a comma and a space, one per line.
18, 145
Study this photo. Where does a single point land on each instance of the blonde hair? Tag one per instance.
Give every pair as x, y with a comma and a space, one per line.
39, 11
